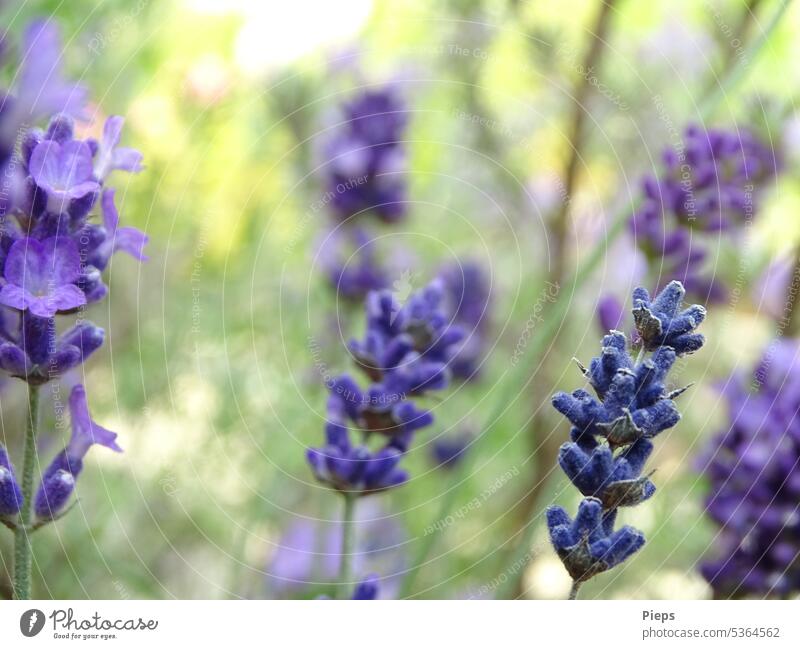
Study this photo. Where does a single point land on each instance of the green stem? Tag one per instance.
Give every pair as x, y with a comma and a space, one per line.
22, 539
348, 546
736, 73
573, 592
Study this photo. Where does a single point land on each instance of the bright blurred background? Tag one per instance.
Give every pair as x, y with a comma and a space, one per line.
217, 345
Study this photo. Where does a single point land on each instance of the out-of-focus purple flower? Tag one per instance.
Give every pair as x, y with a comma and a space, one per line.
398, 333
610, 314
349, 468
10, 492
404, 353
753, 466
448, 452
58, 480
40, 90
41, 276
467, 300
379, 116
368, 588
364, 159
611, 434
350, 260
308, 553
713, 182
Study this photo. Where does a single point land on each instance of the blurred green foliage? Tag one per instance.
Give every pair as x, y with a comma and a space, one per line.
209, 375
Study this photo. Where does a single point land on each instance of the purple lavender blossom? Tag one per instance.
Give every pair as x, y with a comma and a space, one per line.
753, 466
41, 276
404, 353
611, 434
40, 90
114, 238
589, 545
610, 314
10, 492
448, 451
660, 322
467, 298
349, 468
58, 480
37, 355
366, 161
52, 255
368, 588
64, 173
350, 261
713, 183
308, 552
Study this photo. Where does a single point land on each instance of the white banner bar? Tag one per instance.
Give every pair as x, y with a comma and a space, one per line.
400, 625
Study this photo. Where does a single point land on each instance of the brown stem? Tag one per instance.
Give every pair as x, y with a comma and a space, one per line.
740, 32
560, 226
544, 456
788, 324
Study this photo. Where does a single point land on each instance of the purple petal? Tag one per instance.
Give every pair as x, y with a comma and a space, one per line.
127, 159
86, 432
81, 189
63, 260
111, 157
45, 164
15, 297
112, 130
13, 360
132, 241
110, 213
41, 90
26, 264
76, 164
62, 298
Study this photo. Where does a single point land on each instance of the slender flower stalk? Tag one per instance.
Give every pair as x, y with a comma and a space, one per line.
22, 539
405, 354
348, 544
612, 432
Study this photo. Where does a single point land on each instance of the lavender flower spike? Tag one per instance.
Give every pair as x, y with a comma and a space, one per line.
41, 276
58, 480
611, 434
753, 469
